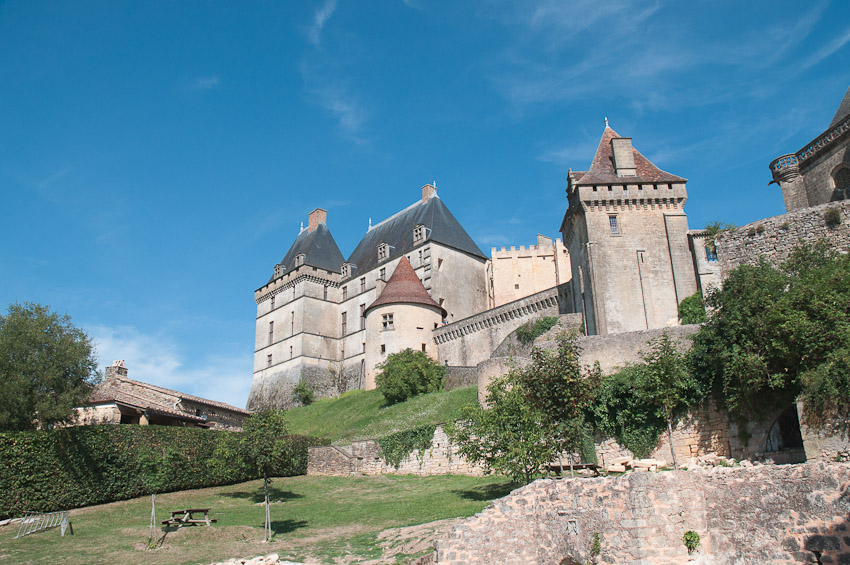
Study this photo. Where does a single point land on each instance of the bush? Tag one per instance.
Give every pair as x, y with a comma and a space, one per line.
303, 393
397, 446
692, 309
527, 333
832, 216
408, 373
49, 470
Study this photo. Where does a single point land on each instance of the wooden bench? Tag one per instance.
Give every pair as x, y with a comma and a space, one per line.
556, 468
187, 516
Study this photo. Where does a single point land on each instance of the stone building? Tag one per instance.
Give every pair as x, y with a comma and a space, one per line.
819, 172
517, 272
311, 314
119, 399
627, 235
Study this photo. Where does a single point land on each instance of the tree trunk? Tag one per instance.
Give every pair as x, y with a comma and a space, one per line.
561, 465
670, 437
268, 525
152, 536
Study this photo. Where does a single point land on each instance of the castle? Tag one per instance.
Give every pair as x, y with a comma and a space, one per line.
417, 280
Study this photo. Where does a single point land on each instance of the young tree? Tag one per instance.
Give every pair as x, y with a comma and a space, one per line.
509, 437
408, 373
263, 444
663, 381
47, 366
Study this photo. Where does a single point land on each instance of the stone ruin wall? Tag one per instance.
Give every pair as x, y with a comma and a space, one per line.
364, 458
778, 514
774, 238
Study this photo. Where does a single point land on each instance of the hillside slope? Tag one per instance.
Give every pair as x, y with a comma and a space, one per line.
362, 414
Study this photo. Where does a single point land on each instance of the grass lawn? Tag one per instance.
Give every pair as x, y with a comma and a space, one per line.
317, 519
363, 414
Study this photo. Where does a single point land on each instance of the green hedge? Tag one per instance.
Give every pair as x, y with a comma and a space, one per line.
67, 468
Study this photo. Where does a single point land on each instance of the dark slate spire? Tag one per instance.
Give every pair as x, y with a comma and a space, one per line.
843, 110
317, 246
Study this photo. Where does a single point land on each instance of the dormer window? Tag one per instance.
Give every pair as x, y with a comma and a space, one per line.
346, 270
278, 270
419, 233
383, 251
299, 259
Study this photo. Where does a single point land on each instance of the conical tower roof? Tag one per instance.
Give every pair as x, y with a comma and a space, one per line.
843, 110
602, 169
404, 287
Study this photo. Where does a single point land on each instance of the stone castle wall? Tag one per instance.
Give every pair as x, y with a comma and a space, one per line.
364, 458
774, 238
763, 514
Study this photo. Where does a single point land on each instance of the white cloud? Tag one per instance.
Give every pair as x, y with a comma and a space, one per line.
320, 18
828, 49
204, 83
156, 359
577, 155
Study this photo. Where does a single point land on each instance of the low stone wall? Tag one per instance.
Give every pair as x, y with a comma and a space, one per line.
764, 514
364, 458
459, 377
774, 238
612, 351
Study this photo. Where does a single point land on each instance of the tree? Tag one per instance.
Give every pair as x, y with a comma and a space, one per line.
778, 332
692, 309
48, 367
408, 373
263, 443
510, 437
664, 382
557, 386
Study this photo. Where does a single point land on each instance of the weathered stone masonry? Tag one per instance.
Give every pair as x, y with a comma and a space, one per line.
765, 514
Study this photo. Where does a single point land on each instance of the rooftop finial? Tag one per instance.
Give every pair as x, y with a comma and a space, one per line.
606, 121
370, 223
302, 227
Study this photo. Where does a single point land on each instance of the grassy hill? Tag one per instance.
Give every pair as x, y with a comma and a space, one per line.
363, 414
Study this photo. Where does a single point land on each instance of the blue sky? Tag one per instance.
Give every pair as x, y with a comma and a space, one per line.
157, 158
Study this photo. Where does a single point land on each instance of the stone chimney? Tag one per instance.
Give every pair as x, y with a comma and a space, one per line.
316, 217
428, 191
624, 157
116, 370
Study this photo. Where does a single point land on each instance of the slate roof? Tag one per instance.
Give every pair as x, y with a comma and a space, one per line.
602, 169
843, 110
319, 248
397, 231
404, 287
151, 397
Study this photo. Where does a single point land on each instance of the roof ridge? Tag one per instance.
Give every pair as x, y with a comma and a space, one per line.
399, 213
183, 395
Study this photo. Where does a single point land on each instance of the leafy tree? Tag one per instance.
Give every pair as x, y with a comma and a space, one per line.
510, 437
663, 381
264, 443
556, 385
47, 367
408, 373
714, 229
692, 309
303, 393
776, 333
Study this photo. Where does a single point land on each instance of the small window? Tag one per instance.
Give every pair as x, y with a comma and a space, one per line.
344, 322
271, 333
345, 293
421, 260
272, 303
325, 293
290, 352
419, 234
423, 347
346, 270
387, 322
383, 251
439, 264
363, 284
362, 316
612, 222
269, 360
383, 274
299, 259
516, 287
710, 254
364, 346
383, 348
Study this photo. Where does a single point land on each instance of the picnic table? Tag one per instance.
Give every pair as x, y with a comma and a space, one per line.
187, 516
556, 468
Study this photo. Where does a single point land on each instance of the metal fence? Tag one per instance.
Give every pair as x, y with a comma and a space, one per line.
36, 521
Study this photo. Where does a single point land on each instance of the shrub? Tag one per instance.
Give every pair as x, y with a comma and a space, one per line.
692, 309
303, 393
832, 216
397, 446
65, 468
527, 333
408, 373
691, 540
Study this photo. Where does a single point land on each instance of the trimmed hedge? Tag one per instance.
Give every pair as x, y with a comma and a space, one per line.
50, 470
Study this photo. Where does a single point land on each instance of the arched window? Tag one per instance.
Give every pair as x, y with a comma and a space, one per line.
841, 182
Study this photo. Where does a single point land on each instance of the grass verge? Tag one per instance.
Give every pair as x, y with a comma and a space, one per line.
360, 414
317, 519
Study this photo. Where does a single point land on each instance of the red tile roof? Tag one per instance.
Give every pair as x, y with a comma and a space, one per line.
602, 169
404, 287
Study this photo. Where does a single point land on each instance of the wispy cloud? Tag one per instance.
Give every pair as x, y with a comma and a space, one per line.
204, 83
828, 49
320, 18
155, 359
333, 95
576, 154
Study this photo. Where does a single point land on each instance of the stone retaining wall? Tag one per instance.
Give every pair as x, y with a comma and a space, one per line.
364, 458
765, 514
774, 238
460, 377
